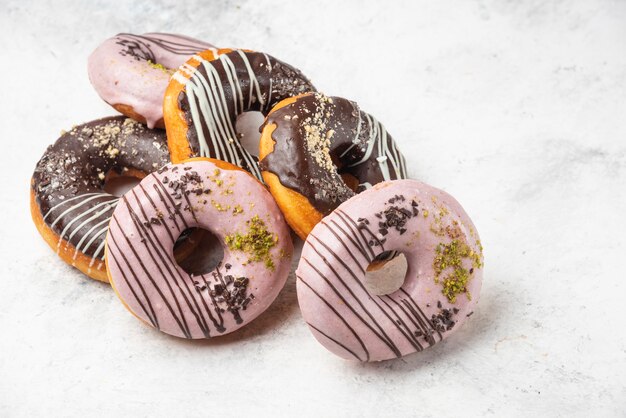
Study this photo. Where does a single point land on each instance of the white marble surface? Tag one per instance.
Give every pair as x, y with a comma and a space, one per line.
516, 108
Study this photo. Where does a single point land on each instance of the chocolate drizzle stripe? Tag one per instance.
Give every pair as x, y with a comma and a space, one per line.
382, 336
141, 46
346, 247
420, 312
170, 214
180, 321
341, 318
219, 322
152, 242
402, 328
424, 324
354, 228
363, 245
412, 315
408, 335
190, 206
401, 323
354, 296
219, 326
149, 248
168, 276
114, 259
154, 206
335, 341
424, 327
172, 205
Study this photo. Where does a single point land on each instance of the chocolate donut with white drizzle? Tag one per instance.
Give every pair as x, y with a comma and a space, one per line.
209, 91
318, 151
68, 203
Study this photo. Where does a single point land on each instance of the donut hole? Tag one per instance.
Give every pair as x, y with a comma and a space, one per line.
350, 181
198, 251
383, 277
248, 124
118, 183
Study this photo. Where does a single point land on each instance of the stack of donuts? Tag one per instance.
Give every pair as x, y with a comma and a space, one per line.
325, 169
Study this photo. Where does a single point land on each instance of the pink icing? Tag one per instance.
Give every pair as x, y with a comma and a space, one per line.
151, 216
343, 315
121, 74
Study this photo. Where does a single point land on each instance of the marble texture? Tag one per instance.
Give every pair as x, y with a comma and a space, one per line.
515, 108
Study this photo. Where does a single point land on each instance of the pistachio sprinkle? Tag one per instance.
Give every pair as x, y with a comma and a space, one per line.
451, 256
256, 243
160, 67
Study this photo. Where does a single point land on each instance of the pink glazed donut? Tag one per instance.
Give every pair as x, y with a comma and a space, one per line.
441, 286
131, 72
218, 197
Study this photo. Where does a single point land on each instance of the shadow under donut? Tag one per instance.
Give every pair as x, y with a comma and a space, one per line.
495, 307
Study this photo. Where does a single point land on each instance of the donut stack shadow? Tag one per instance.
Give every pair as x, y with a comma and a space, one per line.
326, 169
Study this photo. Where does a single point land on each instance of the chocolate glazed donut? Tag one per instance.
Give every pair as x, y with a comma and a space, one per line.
207, 93
68, 203
317, 151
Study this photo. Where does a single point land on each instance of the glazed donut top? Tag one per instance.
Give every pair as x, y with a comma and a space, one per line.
135, 70
442, 282
218, 197
319, 138
219, 88
68, 180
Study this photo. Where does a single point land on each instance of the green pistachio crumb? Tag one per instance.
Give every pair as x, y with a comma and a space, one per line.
451, 256
160, 67
256, 243
219, 206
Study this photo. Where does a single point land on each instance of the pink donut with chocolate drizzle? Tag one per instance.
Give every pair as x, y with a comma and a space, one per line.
218, 197
440, 289
131, 72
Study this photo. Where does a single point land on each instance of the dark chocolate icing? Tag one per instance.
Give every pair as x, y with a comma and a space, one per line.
68, 180
234, 83
319, 138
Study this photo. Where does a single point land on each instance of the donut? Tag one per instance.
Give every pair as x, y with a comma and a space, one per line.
68, 203
442, 283
131, 72
218, 197
318, 151
209, 91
